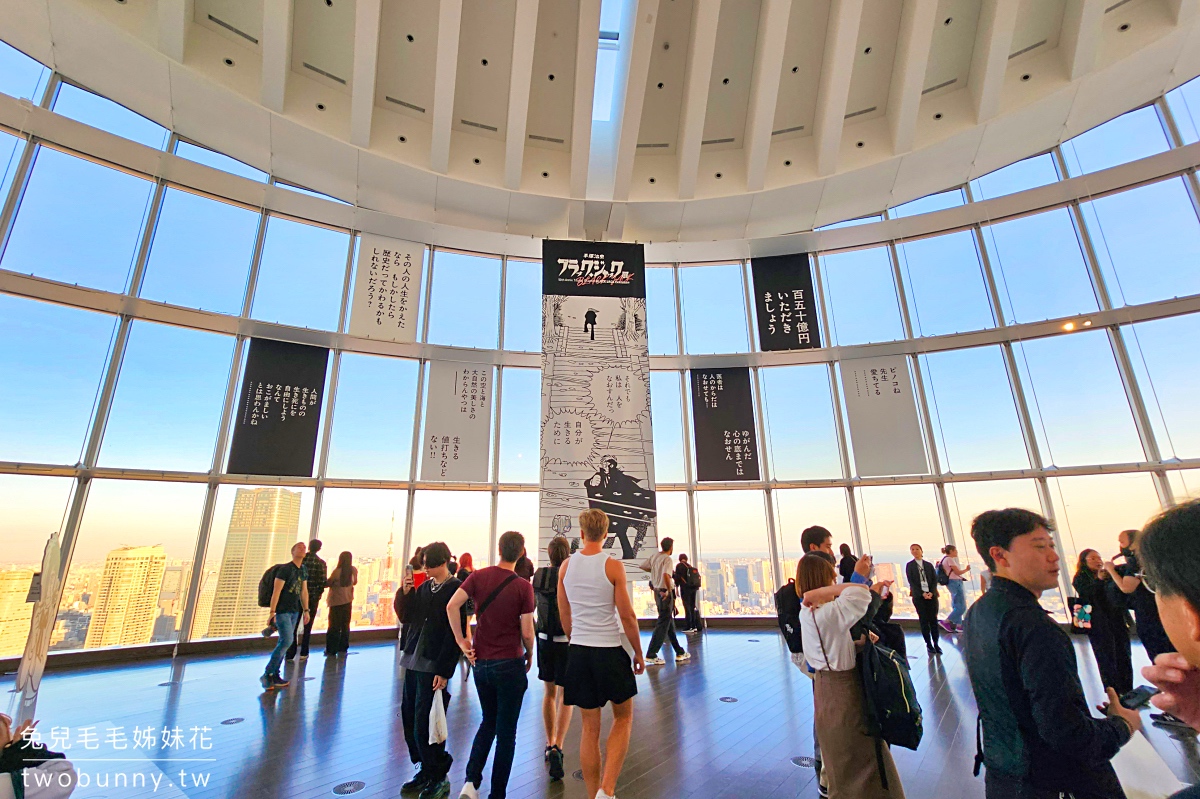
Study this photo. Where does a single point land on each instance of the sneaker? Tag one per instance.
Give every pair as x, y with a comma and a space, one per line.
931, 650
546, 754
655, 662
937, 650
304, 656
556, 764
469, 791
1168, 720
683, 657
279, 682
436, 790
947, 626
600, 794
267, 682
417, 784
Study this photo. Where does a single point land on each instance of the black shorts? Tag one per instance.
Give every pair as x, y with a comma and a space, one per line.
598, 675
552, 661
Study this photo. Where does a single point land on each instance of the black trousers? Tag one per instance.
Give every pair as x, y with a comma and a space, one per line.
314, 604
691, 616
337, 639
927, 612
408, 714
1110, 645
435, 760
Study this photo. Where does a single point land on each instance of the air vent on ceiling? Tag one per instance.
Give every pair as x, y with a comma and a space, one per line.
941, 85
860, 113
322, 72
718, 141
535, 137
653, 146
231, 29
391, 99
1115, 6
782, 131
479, 125
1025, 50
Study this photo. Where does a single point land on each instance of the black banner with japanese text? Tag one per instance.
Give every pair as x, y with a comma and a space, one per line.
723, 421
593, 269
279, 411
785, 303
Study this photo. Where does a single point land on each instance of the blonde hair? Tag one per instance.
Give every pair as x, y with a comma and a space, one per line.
593, 524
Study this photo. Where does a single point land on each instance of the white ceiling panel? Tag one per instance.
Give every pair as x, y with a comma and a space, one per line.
323, 41
952, 47
407, 55
239, 21
659, 132
733, 66
552, 88
872, 78
1039, 23
801, 73
485, 47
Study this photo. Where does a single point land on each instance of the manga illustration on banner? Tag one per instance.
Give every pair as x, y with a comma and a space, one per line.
596, 446
458, 422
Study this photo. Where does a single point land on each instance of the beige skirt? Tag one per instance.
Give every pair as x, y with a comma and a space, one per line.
847, 751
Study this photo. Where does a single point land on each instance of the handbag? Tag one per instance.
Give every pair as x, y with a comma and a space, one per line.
437, 719
1081, 615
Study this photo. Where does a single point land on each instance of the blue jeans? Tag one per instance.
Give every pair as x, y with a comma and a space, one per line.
501, 686
287, 624
958, 602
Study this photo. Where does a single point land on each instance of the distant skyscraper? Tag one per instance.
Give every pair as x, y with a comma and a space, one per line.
714, 582
15, 612
127, 600
204, 603
262, 530
741, 578
171, 598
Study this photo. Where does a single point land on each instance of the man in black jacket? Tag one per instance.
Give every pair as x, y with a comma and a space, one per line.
1039, 738
431, 655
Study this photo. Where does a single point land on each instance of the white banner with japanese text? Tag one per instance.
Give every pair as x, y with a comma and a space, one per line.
458, 416
387, 288
882, 413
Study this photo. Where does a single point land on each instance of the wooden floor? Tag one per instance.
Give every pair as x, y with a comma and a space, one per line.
339, 722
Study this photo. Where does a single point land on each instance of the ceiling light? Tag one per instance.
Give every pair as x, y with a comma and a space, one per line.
545, 174
1087, 322
402, 139
787, 163
660, 85
409, 37
228, 62
550, 77
725, 82
795, 70
867, 51
718, 176
948, 20
484, 62
1069, 326
938, 115
1124, 27
1026, 76
477, 160
861, 144
320, 106
652, 180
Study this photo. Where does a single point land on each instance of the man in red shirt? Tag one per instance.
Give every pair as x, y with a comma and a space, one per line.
502, 654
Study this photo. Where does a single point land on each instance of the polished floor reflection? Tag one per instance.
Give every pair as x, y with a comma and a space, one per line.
339, 722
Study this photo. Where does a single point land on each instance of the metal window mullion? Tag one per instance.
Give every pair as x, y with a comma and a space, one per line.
774, 542
423, 365
1167, 118
16, 190
493, 535
688, 474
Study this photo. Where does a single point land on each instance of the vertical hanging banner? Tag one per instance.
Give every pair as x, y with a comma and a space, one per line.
458, 422
882, 413
723, 423
596, 445
785, 303
387, 287
275, 429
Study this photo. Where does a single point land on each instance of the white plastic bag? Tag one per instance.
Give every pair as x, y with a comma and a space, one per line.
437, 719
1142, 771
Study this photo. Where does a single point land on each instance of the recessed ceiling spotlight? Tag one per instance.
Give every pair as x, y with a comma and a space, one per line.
477, 161
652, 180
228, 62
329, 3
948, 20
484, 62
1087, 322
718, 176
660, 85
402, 139
550, 76
122, 2
787, 163
795, 70
938, 115
545, 174
666, 45
1026, 76
320, 106
861, 144
409, 37
1124, 27
1069, 326
867, 51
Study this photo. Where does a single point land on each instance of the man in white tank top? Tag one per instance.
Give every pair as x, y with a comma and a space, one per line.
594, 608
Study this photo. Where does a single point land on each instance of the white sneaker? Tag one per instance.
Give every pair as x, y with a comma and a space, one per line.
600, 794
683, 658
655, 662
469, 791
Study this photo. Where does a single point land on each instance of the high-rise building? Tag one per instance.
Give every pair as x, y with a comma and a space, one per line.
714, 582
15, 612
127, 600
171, 598
262, 530
741, 578
204, 602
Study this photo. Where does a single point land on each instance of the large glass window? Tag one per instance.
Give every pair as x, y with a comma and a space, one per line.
523, 306
202, 155
666, 412
893, 518
1091, 510
1162, 352
1028, 174
461, 519
168, 401
714, 309
1129, 137
736, 562
1039, 269
944, 283
252, 529
801, 430
132, 563
11, 149
1184, 102
100, 112
661, 324
52, 360
79, 222
372, 418
672, 523
369, 524
20, 75
797, 509
301, 276
465, 306
1147, 242
34, 508
201, 254
928, 204
861, 292
1079, 406
520, 426
515, 510
968, 500
974, 416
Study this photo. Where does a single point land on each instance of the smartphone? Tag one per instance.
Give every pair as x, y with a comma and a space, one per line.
1137, 697
408, 574
883, 592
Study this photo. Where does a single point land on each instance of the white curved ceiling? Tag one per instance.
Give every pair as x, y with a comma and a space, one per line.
729, 118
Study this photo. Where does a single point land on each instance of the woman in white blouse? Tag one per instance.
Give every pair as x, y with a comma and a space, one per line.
847, 750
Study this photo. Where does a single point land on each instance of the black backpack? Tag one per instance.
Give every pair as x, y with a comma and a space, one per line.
943, 577
693, 577
892, 711
545, 594
787, 606
266, 586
